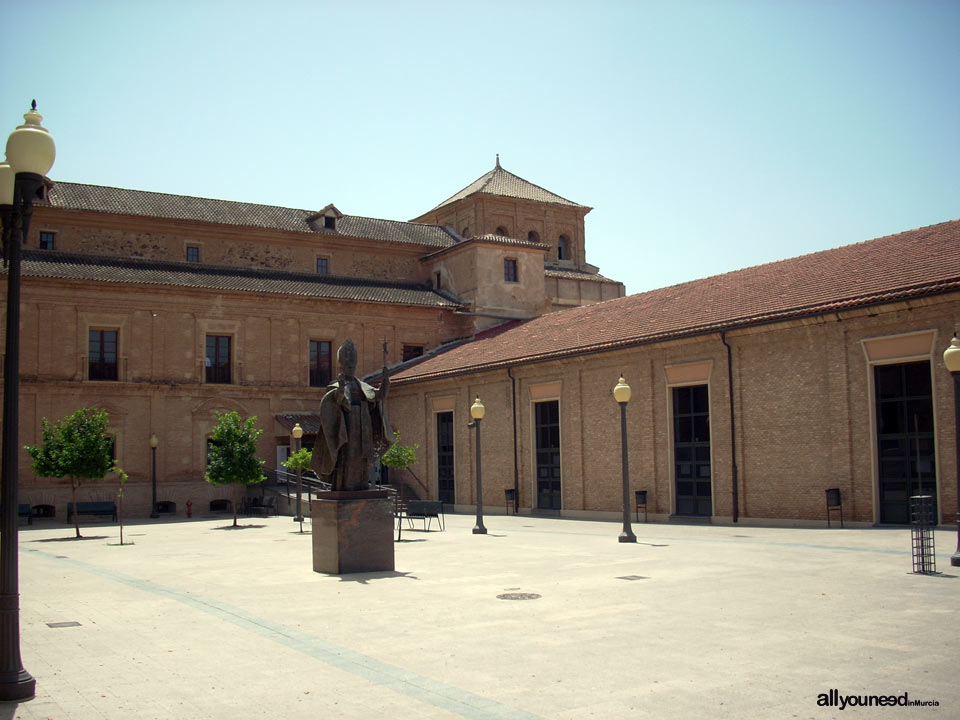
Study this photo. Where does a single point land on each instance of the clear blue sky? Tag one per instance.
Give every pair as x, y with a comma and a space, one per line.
707, 136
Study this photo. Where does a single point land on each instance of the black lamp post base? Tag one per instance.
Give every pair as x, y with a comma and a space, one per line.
479, 530
20, 686
627, 537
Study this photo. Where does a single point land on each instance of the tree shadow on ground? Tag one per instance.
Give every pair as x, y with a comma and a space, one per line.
405, 540
117, 544
365, 578
240, 527
71, 539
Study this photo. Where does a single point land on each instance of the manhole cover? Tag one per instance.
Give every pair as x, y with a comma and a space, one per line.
72, 623
633, 577
518, 596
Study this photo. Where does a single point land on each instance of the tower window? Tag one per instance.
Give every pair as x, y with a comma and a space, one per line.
563, 248
47, 240
510, 270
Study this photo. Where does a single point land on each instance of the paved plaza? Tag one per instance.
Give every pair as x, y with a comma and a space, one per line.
197, 620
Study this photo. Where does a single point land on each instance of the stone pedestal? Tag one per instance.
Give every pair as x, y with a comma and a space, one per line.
352, 532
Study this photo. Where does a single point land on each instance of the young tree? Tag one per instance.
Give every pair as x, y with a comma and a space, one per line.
122, 477
401, 457
233, 454
75, 447
299, 461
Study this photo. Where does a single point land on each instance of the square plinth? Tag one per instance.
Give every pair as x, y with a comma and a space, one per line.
352, 532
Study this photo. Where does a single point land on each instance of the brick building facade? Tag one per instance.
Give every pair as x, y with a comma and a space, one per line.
753, 393
164, 309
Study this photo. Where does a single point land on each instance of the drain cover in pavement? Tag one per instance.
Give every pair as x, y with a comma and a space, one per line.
72, 623
518, 596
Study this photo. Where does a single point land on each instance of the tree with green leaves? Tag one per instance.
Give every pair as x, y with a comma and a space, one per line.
300, 460
232, 459
401, 457
76, 447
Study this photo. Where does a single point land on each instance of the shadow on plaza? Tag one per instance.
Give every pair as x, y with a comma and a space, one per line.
365, 578
240, 527
73, 539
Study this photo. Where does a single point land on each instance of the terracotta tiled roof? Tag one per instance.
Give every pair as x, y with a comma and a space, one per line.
919, 262
490, 239
501, 182
109, 269
574, 274
119, 201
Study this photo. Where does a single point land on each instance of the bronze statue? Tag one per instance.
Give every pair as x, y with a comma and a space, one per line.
354, 428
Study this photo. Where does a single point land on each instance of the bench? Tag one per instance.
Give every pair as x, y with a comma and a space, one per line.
100, 507
426, 510
23, 511
263, 507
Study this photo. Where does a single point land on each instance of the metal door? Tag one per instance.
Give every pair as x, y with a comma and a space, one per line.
691, 450
547, 431
445, 484
905, 462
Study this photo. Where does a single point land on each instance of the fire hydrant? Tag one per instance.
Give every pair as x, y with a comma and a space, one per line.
189, 508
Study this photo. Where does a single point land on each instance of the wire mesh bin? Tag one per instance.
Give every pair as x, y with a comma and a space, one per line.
922, 522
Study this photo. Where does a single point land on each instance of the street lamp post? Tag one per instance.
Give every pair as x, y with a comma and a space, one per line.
621, 393
297, 434
30, 155
153, 451
951, 358
477, 411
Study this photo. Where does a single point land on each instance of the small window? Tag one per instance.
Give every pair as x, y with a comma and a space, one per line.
323, 266
47, 240
465, 232
102, 356
532, 236
329, 222
502, 231
412, 351
436, 279
193, 253
320, 363
510, 270
217, 359
563, 248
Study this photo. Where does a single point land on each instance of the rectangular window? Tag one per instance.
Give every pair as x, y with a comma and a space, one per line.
510, 270
102, 355
320, 363
412, 351
218, 359
323, 266
47, 240
193, 254
691, 450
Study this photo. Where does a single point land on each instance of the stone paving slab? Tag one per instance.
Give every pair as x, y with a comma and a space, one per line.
197, 620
